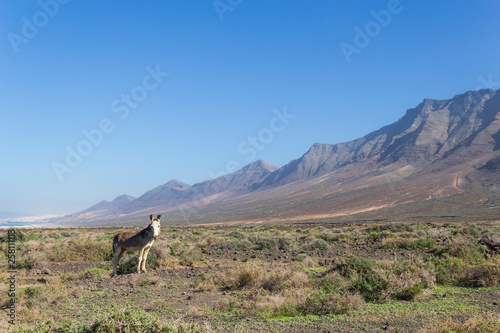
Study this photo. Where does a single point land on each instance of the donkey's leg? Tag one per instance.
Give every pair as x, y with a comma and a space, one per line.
118, 254
140, 260
122, 252
145, 257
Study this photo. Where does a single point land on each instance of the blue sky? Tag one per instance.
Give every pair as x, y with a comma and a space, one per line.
178, 89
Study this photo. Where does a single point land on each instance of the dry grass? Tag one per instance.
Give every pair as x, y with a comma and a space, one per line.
485, 275
380, 281
276, 291
246, 284
258, 276
489, 324
81, 248
161, 253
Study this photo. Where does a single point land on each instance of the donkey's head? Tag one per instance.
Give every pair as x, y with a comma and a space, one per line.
155, 222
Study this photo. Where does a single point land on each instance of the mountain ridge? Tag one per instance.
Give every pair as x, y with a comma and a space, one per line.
435, 141
390, 143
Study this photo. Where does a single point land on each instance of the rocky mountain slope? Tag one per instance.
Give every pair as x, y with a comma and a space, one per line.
120, 201
439, 149
432, 131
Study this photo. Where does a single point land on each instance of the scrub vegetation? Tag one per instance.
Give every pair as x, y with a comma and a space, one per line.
405, 277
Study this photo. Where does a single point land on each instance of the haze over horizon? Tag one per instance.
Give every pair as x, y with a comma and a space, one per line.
104, 99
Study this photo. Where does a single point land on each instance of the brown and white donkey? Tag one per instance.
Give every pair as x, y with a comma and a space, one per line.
136, 241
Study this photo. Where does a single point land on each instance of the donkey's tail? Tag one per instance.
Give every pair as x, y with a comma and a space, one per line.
115, 240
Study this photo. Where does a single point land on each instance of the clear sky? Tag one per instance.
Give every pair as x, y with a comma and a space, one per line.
102, 98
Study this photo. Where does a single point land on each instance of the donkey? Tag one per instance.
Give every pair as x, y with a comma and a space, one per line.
136, 241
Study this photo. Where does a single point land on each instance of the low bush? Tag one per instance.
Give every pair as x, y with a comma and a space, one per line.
130, 320
465, 268
376, 282
274, 243
234, 244
471, 252
292, 294
328, 237
93, 272
317, 244
363, 277
483, 275
128, 263
423, 243
256, 277
81, 249
321, 303
397, 227
281, 279
32, 295
187, 253
159, 255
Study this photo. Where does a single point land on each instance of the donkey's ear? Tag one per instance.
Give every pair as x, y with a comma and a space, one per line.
158, 217
151, 217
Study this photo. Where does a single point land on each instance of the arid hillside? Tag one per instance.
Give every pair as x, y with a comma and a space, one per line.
439, 159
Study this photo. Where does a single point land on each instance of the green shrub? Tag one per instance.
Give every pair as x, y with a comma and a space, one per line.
67, 233
448, 269
421, 243
472, 230
424, 243
332, 283
129, 263
234, 244
363, 277
317, 244
409, 279
274, 242
328, 237
397, 227
377, 282
64, 326
482, 275
187, 252
465, 267
411, 292
32, 295
236, 234
106, 237
320, 303
128, 320
33, 291
468, 251
94, 271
